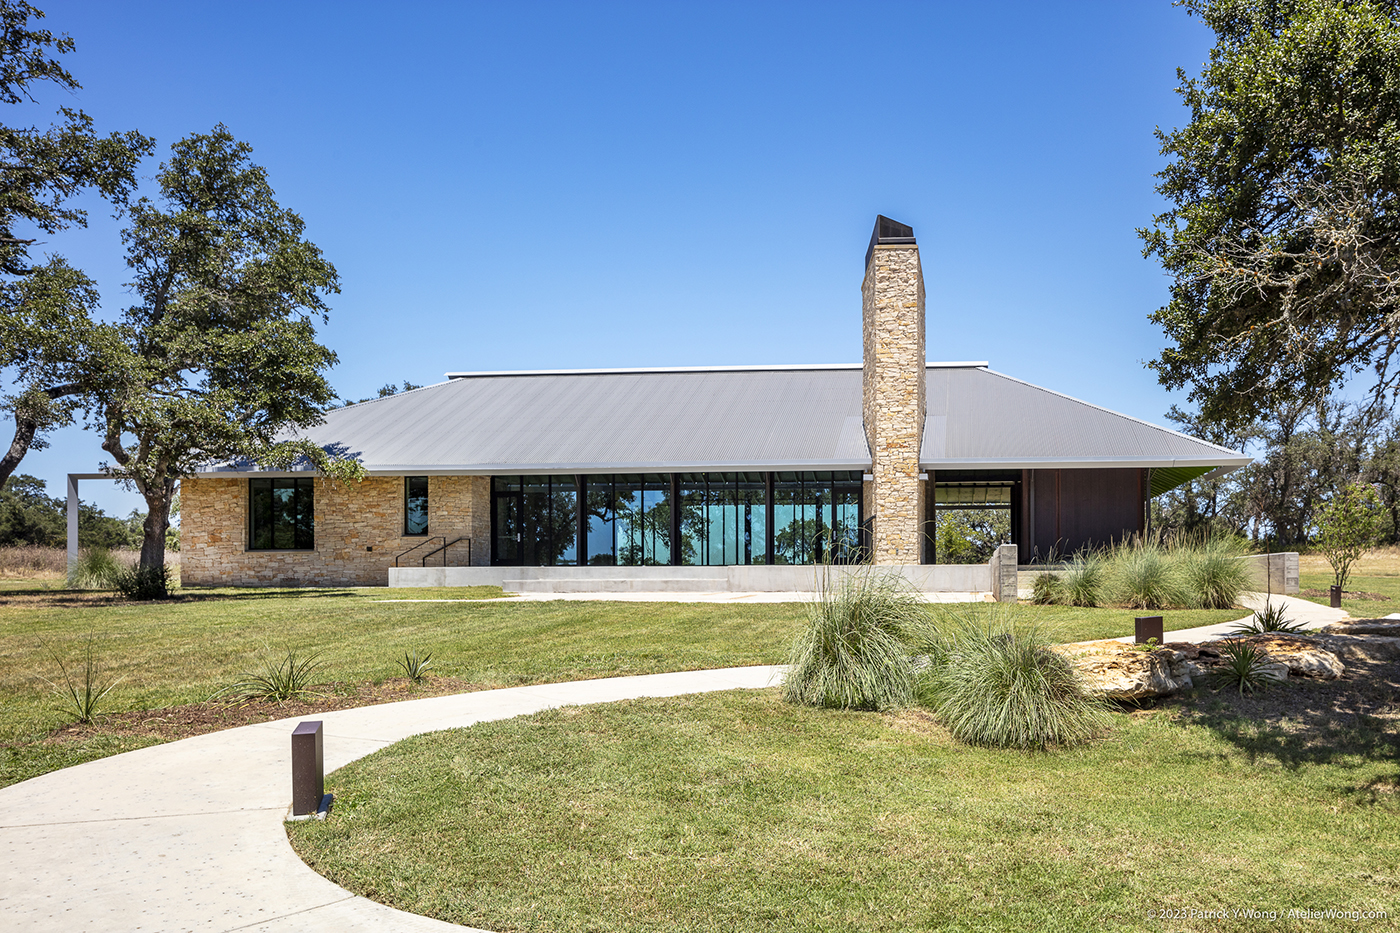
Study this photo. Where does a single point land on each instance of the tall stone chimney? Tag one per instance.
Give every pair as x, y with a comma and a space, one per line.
892, 302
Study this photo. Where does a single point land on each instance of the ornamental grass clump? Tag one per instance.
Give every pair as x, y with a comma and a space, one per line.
279, 681
1144, 576
999, 684
1212, 573
1083, 581
1046, 589
854, 652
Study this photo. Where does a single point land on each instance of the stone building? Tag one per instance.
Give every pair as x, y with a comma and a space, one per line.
722, 476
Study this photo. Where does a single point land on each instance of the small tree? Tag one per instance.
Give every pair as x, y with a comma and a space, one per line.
1347, 526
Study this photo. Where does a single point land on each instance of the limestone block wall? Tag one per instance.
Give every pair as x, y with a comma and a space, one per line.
359, 530
892, 301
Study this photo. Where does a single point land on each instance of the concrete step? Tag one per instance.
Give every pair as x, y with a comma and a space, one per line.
598, 585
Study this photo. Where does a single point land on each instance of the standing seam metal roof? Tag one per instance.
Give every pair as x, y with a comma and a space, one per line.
733, 419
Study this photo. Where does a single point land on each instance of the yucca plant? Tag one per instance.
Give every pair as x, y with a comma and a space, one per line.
1269, 619
291, 677
1246, 667
999, 684
1047, 589
1212, 574
81, 693
1082, 583
854, 651
1143, 576
415, 666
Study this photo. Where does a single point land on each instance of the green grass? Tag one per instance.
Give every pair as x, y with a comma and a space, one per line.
186, 649
1385, 585
737, 812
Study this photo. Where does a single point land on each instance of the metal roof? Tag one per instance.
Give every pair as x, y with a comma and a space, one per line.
732, 418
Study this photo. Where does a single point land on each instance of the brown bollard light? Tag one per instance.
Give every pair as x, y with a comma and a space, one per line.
308, 769
1336, 594
1146, 628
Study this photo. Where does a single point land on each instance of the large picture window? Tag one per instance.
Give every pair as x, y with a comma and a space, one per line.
281, 514
415, 505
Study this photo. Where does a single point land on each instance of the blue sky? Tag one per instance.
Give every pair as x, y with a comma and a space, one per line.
539, 185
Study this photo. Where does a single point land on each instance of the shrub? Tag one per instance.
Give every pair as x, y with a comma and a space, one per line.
415, 666
1246, 667
1084, 579
291, 677
82, 692
1268, 619
143, 582
1047, 589
997, 684
1212, 574
97, 569
1143, 576
853, 652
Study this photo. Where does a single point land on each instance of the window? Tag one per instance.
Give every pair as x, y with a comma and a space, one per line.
415, 505
281, 514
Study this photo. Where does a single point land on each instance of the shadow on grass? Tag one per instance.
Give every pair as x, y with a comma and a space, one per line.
1349, 723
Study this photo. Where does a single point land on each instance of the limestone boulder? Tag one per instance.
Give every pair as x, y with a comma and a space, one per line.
1361, 649
1383, 627
1119, 671
1295, 655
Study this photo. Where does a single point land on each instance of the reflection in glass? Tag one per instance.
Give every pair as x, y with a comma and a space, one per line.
281, 514
722, 519
415, 505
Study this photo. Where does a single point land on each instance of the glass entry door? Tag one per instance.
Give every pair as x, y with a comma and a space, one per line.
507, 526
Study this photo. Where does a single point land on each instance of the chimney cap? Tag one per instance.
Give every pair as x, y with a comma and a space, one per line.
888, 232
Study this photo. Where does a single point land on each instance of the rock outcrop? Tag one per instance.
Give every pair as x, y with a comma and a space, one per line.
1119, 671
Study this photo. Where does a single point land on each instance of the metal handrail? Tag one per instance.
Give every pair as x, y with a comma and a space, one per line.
444, 551
422, 543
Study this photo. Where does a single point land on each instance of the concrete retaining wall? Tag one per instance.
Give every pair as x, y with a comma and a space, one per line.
1274, 573
936, 578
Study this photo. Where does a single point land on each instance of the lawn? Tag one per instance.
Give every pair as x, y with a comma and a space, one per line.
1377, 574
181, 652
737, 812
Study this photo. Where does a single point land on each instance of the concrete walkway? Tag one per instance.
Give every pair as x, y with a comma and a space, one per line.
188, 835
1304, 611
725, 597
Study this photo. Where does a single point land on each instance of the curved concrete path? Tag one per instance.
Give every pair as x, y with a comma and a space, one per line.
188, 835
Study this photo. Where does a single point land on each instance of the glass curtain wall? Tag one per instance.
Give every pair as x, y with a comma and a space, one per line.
723, 519
719, 519
816, 518
628, 519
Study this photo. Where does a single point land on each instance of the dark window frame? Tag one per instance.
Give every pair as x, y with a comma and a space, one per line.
407, 480
303, 501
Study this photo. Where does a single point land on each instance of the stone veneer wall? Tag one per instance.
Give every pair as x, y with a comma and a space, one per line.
349, 519
892, 300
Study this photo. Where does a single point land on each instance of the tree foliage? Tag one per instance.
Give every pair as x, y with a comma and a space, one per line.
28, 515
217, 360
1283, 234
1348, 525
46, 309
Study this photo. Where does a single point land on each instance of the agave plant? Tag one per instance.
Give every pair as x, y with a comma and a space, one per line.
1269, 619
415, 666
291, 677
82, 691
1246, 667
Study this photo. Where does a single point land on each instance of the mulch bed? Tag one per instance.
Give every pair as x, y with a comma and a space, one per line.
1346, 594
181, 722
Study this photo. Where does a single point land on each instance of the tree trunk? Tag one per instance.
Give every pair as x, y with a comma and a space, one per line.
24, 436
158, 497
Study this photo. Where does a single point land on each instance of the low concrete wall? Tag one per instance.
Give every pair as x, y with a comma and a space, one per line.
1273, 573
935, 578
